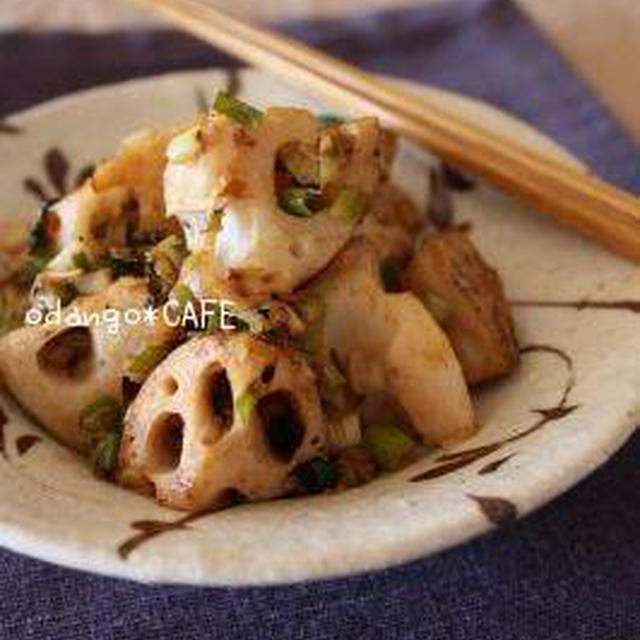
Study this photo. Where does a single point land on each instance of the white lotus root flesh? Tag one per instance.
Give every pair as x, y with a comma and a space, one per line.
389, 343
58, 370
222, 414
256, 248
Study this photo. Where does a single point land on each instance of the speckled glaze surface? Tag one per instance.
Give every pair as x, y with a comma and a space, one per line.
571, 404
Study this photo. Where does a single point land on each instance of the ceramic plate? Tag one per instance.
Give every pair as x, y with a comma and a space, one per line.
571, 404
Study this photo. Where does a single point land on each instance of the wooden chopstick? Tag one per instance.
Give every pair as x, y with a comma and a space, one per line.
582, 201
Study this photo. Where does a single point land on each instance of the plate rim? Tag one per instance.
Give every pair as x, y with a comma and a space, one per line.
12, 535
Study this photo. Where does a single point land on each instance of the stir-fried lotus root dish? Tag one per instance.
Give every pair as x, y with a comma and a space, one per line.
245, 308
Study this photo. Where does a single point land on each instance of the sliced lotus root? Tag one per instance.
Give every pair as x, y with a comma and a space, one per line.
138, 168
123, 202
58, 370
452, 278
387, 342
225, 193
223, 413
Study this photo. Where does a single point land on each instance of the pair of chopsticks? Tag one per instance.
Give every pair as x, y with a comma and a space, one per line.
584, 202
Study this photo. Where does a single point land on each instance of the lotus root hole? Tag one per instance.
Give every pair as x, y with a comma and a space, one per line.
68, 354
164, 448
220, 396
268, 373
283, 427
170, 386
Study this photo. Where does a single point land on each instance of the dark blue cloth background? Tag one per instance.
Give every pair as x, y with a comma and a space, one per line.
569, 572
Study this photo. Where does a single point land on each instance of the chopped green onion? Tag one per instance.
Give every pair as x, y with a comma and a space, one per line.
350, 205
300, 202
40, 237
170, 243
389, 445
101, 426
318, 474
80, 260
238, 111
101, 416
182, 294
163, 266
301, 161
143, 363
105, 455
41, 244
214, 321
244, 406
185, 147
437, 306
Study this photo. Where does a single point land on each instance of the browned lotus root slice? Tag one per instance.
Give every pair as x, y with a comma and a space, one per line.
57, 370
254, 245
475, 314
225, 412
122, 202
138, 167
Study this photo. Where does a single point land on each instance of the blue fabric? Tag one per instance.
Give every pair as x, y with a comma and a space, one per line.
569, 572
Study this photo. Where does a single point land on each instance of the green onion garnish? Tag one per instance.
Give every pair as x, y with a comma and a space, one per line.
238, 111
100, 417
389, 445
80, 260
318, 474
182, 295
245, 405
300, 202
143, 363
105, 455
101, 425
302, 162
40, 237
